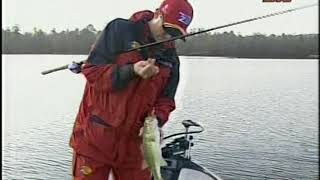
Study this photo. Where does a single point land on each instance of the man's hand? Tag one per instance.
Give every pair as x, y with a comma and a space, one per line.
146, 69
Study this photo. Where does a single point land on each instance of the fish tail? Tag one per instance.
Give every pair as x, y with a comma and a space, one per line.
158, 178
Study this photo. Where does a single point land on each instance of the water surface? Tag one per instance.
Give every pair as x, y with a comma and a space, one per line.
261, 116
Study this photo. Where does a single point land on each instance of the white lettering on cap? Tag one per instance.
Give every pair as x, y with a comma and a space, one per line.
184, 18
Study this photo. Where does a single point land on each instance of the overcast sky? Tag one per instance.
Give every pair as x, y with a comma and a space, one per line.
71, 14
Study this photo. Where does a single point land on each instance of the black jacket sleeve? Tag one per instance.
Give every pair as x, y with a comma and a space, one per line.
112, 41
108, 44
170, 56
165, 103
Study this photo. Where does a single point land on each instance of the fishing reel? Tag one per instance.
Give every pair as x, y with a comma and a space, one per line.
181, 146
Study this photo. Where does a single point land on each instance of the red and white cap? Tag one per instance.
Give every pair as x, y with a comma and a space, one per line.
177, 14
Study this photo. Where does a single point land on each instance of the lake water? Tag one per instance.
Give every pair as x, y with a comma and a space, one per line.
260, 116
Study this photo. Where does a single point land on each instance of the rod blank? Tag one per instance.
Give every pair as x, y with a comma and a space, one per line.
192, 34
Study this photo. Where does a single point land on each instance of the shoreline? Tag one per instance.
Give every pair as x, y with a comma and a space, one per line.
194, 55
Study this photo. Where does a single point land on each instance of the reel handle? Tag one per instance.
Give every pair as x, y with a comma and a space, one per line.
188, 123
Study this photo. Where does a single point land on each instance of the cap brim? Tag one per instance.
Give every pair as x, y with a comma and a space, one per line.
182, 31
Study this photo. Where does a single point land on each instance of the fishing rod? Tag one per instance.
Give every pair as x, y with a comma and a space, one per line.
191, 34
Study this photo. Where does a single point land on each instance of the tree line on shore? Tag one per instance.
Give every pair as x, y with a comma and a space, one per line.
226, 44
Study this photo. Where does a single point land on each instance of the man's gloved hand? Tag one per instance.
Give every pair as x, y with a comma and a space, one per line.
75, 67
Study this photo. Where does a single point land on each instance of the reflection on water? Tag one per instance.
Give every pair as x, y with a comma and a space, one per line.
261, 116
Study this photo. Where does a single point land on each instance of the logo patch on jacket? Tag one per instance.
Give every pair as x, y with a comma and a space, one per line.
86, 170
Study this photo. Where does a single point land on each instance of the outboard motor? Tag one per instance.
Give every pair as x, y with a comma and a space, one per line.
178, 157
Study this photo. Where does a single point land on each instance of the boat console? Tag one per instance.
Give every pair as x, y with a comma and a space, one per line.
177, 154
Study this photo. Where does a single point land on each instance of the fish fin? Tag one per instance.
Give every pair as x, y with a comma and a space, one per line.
158, 178
144, 165
141, 132
163, 162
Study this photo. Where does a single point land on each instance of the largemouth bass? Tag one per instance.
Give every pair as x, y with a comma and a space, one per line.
151, 147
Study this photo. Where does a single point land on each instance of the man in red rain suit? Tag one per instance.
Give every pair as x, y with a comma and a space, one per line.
123, 88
